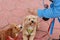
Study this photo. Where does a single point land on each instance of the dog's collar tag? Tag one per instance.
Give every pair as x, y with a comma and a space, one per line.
30, 30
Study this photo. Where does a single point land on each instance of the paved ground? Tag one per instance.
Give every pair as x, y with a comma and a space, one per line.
14, 11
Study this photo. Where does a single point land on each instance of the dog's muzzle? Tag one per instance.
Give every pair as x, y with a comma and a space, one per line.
32, 21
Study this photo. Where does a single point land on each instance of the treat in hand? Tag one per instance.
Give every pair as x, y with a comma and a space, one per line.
32, 11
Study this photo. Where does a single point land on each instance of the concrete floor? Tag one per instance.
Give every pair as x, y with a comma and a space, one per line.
14, 11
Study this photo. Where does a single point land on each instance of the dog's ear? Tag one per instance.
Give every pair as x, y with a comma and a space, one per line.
23, 23
37, 27
38, 24
12, 25
25, 19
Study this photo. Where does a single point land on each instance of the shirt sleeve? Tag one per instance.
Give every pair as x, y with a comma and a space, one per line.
49, 13
39, 11
45, 13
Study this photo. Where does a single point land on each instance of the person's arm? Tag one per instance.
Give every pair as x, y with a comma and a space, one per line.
49, 13
53, 12
46, 7
51, 0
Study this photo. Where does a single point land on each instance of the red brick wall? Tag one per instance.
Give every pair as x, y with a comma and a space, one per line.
13, 11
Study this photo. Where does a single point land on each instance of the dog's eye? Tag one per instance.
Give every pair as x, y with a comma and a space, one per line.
29, 19
15, 27
33, 18
21, 27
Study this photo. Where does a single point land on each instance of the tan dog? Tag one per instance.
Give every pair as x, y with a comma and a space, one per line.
11, 30
30, 25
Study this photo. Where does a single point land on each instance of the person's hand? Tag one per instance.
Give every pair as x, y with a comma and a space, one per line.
51, 0
31, 11
46, 5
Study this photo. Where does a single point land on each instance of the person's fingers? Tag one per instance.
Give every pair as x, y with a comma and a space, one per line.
51, 0
46, 5
31, 10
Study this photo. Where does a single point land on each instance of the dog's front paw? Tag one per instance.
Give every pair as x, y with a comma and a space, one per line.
26, 33
32, 34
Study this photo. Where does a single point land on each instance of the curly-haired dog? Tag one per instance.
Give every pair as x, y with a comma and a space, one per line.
11, 30
30, 25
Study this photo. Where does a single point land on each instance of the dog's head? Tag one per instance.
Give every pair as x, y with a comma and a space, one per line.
11, 30
30, 20
19, 27
14, 30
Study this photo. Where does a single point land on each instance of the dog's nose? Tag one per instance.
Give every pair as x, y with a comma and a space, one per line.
32, 21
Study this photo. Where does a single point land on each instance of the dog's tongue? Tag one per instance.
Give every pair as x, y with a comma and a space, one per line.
32, 24
30, 28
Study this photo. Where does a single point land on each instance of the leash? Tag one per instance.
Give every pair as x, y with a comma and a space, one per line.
52, 26
59, 19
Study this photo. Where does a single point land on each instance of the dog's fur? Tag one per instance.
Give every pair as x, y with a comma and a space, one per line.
10, 30
30, 21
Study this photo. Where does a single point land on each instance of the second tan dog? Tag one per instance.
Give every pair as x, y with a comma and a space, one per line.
11, 30
30, 25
